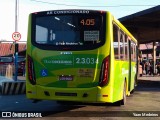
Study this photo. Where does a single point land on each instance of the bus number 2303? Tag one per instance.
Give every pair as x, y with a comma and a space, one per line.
86, 60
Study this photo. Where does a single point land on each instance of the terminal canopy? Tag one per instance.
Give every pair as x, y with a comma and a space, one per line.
144, 25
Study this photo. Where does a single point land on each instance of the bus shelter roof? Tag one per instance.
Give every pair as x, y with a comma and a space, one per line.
144, 25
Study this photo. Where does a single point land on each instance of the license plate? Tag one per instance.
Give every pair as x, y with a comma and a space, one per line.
66, 77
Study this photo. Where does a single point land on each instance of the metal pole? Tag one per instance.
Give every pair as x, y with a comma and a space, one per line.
16, 16
154, 57
16, 29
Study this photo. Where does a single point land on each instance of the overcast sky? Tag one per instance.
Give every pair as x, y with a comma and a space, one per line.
118, 8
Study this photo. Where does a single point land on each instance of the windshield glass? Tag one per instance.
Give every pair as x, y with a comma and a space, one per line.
70, 30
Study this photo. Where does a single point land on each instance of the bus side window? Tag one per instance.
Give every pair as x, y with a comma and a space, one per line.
126, 48
122, 53
115, 43
133, 51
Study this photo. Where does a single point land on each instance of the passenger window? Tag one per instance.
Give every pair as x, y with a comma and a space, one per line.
120, 44
126, 48
133, 51
115, 43
122, 54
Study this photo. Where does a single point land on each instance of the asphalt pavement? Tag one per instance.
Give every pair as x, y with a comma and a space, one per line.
145, 100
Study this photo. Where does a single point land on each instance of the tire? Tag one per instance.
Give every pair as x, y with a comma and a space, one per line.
133, 88
124, 100
135, 84
135, 81
132, 91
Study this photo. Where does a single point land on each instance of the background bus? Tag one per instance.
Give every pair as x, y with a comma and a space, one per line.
79, 55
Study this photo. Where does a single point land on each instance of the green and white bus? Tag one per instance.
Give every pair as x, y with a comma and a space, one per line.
79, 55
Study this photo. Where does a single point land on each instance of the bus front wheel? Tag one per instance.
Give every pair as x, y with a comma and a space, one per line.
124, 100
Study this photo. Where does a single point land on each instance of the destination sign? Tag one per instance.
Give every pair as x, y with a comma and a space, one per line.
68, 12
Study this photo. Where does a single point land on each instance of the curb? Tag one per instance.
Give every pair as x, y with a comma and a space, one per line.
13, 87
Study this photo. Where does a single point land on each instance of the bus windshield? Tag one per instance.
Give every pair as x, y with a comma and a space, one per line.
70, 30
